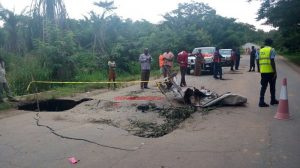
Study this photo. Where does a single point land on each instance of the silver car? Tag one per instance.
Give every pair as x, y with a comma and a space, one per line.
226, 54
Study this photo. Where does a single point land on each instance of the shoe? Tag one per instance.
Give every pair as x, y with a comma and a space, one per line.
273, 102
221, 79
249, 70
216, 77
263, 104
146, 87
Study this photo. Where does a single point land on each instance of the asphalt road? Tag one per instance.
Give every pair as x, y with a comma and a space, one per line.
227, 137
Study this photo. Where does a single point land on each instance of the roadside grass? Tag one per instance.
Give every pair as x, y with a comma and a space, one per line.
5, 106
293, 57
70, 90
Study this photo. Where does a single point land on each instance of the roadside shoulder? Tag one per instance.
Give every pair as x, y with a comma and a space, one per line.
290, 64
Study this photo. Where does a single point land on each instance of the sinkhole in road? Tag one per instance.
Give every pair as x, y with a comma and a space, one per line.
53, 105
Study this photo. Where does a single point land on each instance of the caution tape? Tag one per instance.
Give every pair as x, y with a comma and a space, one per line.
99, 82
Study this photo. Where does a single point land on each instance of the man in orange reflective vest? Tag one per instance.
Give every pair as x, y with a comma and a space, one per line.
268, 72
161, 63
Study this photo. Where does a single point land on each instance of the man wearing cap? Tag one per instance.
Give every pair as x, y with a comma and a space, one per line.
145, 60
267, 67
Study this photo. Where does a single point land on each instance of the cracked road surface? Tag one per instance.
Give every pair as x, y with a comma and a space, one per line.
226, 137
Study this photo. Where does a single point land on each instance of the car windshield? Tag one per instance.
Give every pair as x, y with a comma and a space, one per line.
195, 51
225, 52
207, 50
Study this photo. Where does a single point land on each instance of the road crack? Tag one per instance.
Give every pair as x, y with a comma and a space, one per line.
37, 119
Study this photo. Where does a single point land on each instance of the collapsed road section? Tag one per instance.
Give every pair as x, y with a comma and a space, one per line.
150, 113
53, 105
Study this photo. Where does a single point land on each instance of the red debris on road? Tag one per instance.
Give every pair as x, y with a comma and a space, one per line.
140, 98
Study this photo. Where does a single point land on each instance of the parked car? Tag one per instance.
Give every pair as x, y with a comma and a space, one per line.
207, 53
191, 64
226, 54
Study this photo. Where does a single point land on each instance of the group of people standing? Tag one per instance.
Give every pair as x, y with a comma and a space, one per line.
235, 59
217, 62
165, 63
264, 57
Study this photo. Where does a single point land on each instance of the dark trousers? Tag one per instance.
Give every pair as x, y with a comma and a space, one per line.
217, 69
267, 78
237, 63
252, 64
145, 75
182, 71
232, 65
166, 71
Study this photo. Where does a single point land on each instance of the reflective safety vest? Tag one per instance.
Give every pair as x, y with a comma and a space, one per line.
265, 60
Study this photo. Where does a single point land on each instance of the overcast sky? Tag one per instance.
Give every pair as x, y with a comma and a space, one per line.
152, 10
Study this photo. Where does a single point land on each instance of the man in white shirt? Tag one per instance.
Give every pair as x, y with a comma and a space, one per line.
3, 83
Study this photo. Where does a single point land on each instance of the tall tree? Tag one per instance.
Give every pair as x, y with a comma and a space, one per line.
285, 15
49, 13
99, 25
10, 20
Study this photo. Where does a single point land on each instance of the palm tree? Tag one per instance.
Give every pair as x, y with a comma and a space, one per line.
99, 25
10, 23
49, 13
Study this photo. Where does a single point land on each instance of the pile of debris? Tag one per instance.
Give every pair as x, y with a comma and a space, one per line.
198, 98
193, 99
173, 116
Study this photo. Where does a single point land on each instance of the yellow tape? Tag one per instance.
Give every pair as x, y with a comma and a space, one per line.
56, 82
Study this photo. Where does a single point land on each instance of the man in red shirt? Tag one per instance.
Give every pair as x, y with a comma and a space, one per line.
182, 60
217, 65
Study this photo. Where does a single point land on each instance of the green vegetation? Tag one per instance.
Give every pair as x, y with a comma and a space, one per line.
293, 57
43, 44
285, 16
5, 106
